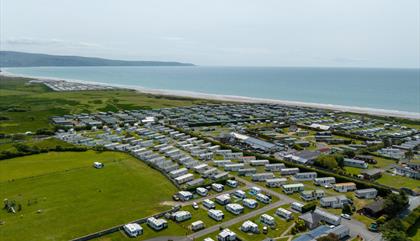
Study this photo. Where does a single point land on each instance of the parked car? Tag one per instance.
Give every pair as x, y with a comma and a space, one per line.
265, 230
195, 205
346, 216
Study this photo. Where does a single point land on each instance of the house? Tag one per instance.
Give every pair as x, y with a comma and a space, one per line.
289, 171
263, 198
323, 181
180, 216
344, 187
275, 167
267, 219
157, 224
235, 208
305, 176
249, 226
355, 163
133, 229
312, 195
239, 194
284, 213
223, 199
185, 195
260, 177
374, 209
209, 204
201, 191
216, 214
98, 165
197, 225
367, 193
297, 206
371, 174
291, 188
334, 202
275, 182
315, 218
341, 231
217, 187
254, 190
250, 203
226, 235
232, 183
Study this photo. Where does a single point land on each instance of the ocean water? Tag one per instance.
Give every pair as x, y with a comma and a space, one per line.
390, 89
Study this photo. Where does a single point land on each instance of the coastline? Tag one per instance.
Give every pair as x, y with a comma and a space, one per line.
240, 99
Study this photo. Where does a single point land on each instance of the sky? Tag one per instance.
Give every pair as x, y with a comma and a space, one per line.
332, 33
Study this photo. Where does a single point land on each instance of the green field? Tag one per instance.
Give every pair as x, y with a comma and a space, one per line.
74, 198
27, 107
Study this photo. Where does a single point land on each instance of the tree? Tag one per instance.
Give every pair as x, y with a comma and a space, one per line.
329, 237
349, 153
347, 209
327, 161
395, 235
395, 203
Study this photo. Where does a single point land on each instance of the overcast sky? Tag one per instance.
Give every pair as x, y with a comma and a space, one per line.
362, 33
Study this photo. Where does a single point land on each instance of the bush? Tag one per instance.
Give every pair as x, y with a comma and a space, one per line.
309, 207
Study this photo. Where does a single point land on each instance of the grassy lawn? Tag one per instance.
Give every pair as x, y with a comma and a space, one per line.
398, 181
27, 107
74, 198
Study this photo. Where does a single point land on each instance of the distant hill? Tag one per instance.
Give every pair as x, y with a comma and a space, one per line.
21, 59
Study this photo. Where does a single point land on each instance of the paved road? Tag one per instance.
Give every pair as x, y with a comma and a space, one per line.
359, 228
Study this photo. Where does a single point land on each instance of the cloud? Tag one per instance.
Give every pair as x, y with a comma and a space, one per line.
48, 42
346, 60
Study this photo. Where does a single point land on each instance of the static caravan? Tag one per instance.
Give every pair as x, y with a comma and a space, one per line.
232, 183
195, 182
184, 178
249, 226
275, 182
197, 225
234, 167
133, 229
263, 198
247, 171
226, 235
258, 162
209, 204
305, 176
327, 217
206, 156
157, 224
260, 177
367, 193
254, 190
292, 188
275, 167
284, 213
181, 216
221, 163
345, 187
209, 172
297, 206
201, 191
223, 199
239, 194
250, 203
234, 208
216, 214
267, 219
289, 171
312, 195
217, 187
323, 181
246, 159
185, 195
232, 155
201, 168
178, 172
220, 176
334, 202
355, 163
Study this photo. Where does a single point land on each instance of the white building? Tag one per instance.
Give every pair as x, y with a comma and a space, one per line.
226, 235
322, 181
367, 193
180, 216
157, 224
267, 219
292, 188
275, 182
209, 204
263, 198
250, 203
249, 226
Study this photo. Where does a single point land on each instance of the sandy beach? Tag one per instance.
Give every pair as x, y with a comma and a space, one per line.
242, 99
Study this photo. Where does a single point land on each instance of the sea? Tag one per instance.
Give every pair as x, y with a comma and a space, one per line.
389, 89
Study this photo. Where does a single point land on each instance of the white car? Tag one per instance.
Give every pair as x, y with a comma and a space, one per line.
346, 216
195, 205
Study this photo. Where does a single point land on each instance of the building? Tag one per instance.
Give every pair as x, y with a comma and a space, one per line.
249, 227
239, 194
355, 163
226, 235
133, 229
275, 182
217, 187
312, 195
260, 177
374, 209
157, 224
235, 208
184, 195
305, 176
334, 202
284, 213
367, 193
292, 188
297, 206
315, 218
371, 174
216, 214
344, 187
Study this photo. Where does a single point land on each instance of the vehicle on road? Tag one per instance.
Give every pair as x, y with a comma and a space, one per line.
346, 216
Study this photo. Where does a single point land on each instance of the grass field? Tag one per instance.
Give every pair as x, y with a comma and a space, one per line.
398, 181
74, 198
27, 107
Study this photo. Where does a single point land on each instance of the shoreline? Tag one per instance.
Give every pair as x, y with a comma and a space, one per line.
240, 99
